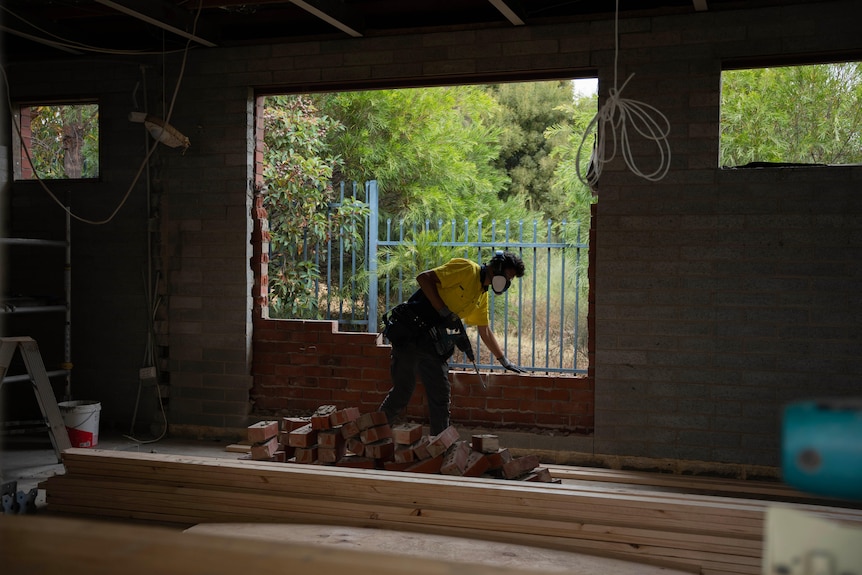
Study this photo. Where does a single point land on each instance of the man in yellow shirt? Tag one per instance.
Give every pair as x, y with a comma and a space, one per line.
455, 291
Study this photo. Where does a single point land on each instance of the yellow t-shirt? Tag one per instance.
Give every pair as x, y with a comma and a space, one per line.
462, 291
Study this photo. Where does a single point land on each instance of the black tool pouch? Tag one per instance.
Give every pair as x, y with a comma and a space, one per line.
401, 325
443, 342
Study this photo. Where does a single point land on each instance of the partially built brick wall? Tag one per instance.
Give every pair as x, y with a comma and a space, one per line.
301, 364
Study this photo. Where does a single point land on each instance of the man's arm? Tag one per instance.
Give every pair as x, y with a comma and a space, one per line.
428, 282
490, 340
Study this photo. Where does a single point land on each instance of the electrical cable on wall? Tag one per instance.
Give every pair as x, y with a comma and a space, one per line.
620, 114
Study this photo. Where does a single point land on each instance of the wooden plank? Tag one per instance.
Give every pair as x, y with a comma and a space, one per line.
196, 504
434, 546
143, 550
320, 480
699, 532
692, 484
110, 494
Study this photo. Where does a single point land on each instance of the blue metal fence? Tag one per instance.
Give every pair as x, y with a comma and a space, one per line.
540, 322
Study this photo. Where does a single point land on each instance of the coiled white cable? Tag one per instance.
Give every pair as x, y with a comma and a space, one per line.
618, 114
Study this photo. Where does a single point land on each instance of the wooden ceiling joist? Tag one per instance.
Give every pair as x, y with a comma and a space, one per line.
511, 9
144, 11
333, 13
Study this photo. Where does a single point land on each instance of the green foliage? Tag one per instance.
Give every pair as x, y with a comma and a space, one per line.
430, 149
799, 114
419, 253
566, 184
527, 110
300, 203
65, 141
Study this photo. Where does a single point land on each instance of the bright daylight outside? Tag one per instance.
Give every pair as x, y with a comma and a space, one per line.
808, 114
403, 180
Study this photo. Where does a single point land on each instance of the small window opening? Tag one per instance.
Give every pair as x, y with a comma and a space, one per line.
792, 115
58, 141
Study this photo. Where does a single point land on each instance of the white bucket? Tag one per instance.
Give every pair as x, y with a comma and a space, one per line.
81, 419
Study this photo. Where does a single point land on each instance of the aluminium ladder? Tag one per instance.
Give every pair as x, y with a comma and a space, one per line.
41, 387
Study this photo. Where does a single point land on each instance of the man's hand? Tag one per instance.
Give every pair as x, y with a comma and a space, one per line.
504, 361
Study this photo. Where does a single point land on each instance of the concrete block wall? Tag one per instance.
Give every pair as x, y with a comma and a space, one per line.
711, 286
109, 310
720, 295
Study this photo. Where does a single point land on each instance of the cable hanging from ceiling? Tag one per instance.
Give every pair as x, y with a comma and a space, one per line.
619, 115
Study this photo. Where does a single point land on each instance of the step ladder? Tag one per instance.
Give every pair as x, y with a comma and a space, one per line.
41, 387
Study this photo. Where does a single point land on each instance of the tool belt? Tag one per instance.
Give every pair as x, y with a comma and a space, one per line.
402, 324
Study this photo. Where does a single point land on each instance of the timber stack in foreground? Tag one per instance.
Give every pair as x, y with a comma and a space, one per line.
346, 438
695, 533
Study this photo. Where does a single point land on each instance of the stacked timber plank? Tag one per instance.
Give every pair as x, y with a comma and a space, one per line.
348, 438
696, 533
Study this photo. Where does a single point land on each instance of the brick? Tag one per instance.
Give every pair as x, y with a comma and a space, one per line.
404, 454
455, 460
330, 438
342, 416
498, 459
438, 444
406, 433
375, 433
371, 419
262, 431
320, 419
305, 436
383, 449
486, 443
396, 465
540, 474
288, 424
519, 466
307, 455
350, 429
427, 466
289, 450
355, 446
420, 448
357, 462
331, 454
279, 456
477, 464
264, 450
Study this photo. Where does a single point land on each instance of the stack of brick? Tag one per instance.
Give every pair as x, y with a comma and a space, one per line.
346, 438
264, 440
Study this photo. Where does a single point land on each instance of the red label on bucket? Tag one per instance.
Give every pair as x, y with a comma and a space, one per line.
80, 438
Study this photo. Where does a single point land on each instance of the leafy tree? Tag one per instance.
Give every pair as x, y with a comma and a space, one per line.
300, 202
799, 114
64, 141
527, 110
575, 197
430, 149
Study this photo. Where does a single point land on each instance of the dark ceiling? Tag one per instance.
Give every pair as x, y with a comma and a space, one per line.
50, 29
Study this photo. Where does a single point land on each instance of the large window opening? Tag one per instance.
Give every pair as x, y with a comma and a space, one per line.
56, 141
792, 115
365, 189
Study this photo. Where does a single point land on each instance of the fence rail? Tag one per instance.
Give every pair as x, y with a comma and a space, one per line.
540, 321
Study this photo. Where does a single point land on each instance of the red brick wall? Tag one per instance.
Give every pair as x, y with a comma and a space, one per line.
300, 364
